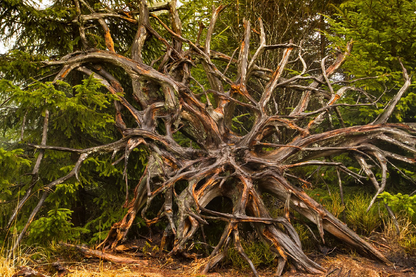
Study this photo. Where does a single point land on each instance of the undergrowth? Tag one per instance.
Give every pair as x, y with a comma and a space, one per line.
406, 238
359, 219
353, 213
7, 267
41, 258
257, 251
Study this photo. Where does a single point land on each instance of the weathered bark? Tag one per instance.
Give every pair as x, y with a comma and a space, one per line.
106, 256
219, 162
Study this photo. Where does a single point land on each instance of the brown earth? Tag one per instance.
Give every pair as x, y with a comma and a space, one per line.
341, 265
337, 262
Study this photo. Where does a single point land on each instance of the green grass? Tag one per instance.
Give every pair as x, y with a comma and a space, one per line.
361, 221
258, 252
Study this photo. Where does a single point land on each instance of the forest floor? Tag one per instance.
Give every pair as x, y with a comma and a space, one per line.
338, 265
338, 262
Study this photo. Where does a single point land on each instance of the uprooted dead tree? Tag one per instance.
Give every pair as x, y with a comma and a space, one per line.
221, 161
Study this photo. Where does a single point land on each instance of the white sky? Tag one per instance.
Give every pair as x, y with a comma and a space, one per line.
41, 4
2, 48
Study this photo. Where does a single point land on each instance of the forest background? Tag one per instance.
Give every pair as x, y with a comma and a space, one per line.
83, 209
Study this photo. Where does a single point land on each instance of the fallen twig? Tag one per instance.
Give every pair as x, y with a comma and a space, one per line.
106, 256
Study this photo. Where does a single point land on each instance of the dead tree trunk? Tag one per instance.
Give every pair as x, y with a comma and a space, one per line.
219, 161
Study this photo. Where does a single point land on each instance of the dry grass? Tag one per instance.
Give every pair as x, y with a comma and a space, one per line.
407, 237
339, 264
354, 266
119, 272
9, 266
7, 269
405, 226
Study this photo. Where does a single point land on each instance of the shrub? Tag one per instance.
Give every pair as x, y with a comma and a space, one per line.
359, 219
258, 252
55, 227
401, 203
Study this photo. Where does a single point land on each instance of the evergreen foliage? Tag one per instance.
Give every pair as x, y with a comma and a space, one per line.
383, 34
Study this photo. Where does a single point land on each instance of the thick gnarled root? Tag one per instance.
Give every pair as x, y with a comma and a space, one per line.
247, 206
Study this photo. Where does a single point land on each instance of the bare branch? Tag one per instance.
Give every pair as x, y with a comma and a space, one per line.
47, 189
243, 57
35, 171
303, 103
275, 78
388, 110
141, 35
210, 30
107, 35
259, 50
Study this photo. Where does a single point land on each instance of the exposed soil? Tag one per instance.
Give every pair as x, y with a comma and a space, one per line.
338, 262
339, 265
